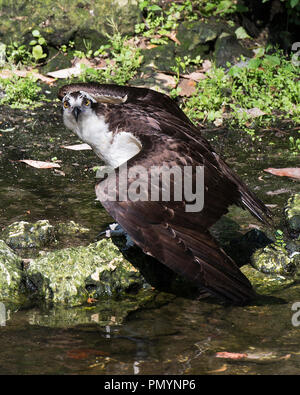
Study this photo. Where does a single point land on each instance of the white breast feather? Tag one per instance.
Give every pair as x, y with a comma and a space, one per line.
113, 150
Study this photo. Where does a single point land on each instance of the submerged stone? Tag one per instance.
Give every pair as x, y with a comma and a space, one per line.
10, 273
28, 235
107, 311
72, 275
292, 214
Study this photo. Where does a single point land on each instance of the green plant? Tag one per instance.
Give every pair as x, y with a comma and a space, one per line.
38, 44
21, 92
17, 53
294, 145
159, 23
221, 7
268, 83
279, 238
123, 63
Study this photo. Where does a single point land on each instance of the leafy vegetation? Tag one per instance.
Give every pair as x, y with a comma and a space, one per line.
122, 64
258, 93
17, 53
21, 92
268, 83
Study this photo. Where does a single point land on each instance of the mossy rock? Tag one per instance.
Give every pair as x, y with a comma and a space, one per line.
10, 273
266, 284
274, 259
59, 23
28, 235
72, 275
229, 49
292, 214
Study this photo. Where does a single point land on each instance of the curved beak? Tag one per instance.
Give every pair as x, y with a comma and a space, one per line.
76, 111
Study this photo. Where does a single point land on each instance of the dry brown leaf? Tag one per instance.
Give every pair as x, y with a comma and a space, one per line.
172, 36
292, 172
77, 147
231, 355
206, 65
195, 76
187, 87
165, 79
222, 369
25, 73
39, 164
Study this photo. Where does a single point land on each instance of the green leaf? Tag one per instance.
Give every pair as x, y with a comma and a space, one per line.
293, 3
33, 42
37, 52
271, 60
241, 33
254, 63
259, 52
154, 7
42, 41
36, 33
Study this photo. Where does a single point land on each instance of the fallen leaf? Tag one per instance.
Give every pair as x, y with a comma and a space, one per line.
172, 36
231, 355
255, 112
25, 73
278, 192
293, 172
77, 147
61, 173
206, 65
71, 71
222, 369
195, 76
83, 353
165, 79
91, 300
39, 164
187, 87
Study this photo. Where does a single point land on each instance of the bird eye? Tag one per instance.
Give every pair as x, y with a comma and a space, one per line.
87, 102
66, 104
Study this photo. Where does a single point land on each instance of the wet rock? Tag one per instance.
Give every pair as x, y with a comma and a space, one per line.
274, 259
229, 49
28, 235
72, 275
266, 283
70, 228
161, 57
292, 214
10, 273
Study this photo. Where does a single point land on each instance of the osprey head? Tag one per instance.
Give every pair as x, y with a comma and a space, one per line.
77, 106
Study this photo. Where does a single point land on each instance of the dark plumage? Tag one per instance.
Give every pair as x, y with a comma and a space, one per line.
177, 238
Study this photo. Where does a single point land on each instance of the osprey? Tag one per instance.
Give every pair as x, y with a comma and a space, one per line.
139, 127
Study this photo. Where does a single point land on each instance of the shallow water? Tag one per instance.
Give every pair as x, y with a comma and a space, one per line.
179, 337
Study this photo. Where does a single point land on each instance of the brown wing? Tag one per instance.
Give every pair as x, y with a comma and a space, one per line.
177, 238
188, 251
